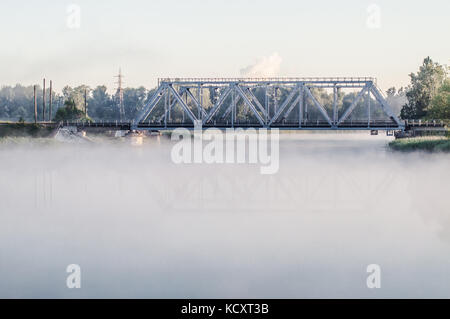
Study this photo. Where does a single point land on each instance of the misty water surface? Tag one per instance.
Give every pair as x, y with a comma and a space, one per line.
141, 226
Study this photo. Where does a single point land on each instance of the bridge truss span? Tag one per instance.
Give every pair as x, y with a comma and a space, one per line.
289, 103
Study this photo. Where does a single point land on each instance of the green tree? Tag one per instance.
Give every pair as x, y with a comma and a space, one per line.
21, 113
69, 112
133, 101
423, 88
100, 105
440, 105
76, 95
396, 99
18, 102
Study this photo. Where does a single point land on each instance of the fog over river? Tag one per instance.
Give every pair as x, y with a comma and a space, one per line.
141, 226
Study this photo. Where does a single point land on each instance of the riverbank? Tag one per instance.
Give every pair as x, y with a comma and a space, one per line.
25, 130
428, 144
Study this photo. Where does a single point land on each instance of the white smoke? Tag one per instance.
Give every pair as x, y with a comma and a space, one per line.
264, 67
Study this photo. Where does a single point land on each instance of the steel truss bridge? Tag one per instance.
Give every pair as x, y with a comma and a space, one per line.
227, 96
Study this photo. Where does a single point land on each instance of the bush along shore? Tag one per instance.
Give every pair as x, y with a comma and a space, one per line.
428, 144
26, 130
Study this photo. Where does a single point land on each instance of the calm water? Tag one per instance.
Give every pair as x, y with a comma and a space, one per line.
141, 226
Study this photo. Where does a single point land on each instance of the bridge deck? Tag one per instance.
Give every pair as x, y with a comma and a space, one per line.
316, 125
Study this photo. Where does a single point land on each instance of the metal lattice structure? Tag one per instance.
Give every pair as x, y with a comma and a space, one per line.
119, 95
265, 102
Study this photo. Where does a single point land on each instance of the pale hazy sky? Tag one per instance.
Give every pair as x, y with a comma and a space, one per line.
193, 38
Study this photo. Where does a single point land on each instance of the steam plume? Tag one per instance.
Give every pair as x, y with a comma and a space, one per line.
264, 67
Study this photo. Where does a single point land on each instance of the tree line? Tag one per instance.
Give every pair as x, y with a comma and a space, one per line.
426, 97
17, 103
428, 94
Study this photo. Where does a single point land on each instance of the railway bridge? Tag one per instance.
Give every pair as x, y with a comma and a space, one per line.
285, 103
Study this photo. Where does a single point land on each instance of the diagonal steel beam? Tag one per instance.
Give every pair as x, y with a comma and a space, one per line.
216, 107
254, 99
172, 104
297, 100
149, 106
250, 104
183, 105
228, 110
199, 106
284, 105
319, 106
385, 105
353, 105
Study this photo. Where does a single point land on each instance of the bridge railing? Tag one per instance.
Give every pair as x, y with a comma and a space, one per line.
294, 124
267, 80
426, 123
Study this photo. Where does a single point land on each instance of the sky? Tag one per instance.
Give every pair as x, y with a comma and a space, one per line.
85, 42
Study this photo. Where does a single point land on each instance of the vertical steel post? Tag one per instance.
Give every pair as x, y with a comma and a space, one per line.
300, 106
166, 98
266, 94
170, 109
182, 109
50, 101
201, 103
306, 108
233, 106
368, 108
35, 106
199, 93
335, 119
43, 103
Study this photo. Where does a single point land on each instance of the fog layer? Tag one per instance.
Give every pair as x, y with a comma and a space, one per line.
142, 227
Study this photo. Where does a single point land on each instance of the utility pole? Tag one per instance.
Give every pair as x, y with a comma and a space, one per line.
43, 103
50, 101
35, 106
85, 102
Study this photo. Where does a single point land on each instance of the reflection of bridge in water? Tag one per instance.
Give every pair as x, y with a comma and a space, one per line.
286, 103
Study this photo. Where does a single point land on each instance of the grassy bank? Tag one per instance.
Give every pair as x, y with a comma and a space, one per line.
24, 130
429, 144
